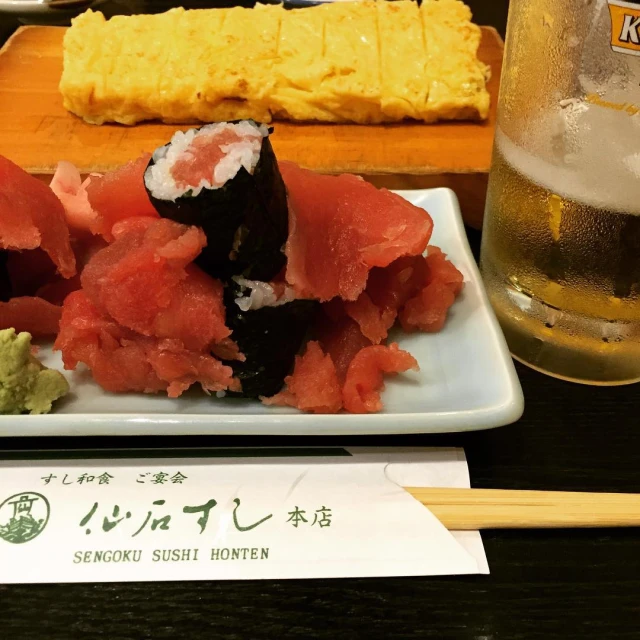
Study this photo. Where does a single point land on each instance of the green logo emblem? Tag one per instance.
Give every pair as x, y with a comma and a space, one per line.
23, 517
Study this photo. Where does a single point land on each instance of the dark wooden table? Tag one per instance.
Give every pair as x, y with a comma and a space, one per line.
551, 585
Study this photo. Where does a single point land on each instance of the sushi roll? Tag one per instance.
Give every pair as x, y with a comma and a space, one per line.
269, 326
5, 282
224, 178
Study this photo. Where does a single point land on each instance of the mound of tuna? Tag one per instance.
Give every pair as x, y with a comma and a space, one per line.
341, 227
145, 281
146, 318
349, 362
123, 360
147, 313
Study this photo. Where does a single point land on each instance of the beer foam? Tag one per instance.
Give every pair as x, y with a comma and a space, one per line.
582, 153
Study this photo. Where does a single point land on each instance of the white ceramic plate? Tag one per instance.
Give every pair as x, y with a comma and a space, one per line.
467, 380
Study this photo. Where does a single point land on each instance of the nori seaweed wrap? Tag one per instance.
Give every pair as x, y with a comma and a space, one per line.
269, 337
224, 178
5, 282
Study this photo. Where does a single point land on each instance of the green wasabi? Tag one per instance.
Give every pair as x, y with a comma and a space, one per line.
26, 385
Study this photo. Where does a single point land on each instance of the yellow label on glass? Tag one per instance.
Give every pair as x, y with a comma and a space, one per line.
625, 27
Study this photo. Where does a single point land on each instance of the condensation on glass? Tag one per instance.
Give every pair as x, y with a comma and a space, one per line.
561, 239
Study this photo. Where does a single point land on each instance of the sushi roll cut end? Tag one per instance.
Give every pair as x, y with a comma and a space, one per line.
205, 158
225, 179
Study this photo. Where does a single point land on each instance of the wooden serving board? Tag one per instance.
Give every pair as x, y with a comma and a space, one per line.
36, 131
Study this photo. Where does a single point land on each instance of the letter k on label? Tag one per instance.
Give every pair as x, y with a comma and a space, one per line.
630, 29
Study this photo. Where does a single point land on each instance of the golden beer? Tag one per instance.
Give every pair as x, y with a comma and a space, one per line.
561, 238
561, 262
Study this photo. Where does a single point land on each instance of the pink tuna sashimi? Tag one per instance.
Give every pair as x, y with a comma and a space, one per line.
390, 287
364, 381
54, 288
420, 289
34, 315
32, 273
313, 386
341, 227
122, 360
145, 282
182, 368
374, 321
31, 216
340, 337
427, 310
120, 194
440, 269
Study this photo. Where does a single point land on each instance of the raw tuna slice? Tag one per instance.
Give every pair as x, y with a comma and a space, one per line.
122, 360
374, 321
442, 270
390, 288
31, 216
181, 368
145, 282
342, 339
341, 227
34, 315
420, 289
427, 310
361, 392
313, 386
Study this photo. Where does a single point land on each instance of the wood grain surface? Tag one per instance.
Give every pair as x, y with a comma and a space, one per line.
473, 509
36, 131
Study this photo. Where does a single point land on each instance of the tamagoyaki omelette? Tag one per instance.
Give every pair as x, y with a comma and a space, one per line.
363, 62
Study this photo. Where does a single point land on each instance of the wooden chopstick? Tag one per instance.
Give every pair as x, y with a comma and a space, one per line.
470, 509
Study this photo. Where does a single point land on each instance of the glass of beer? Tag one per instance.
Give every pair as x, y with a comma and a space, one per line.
561, 237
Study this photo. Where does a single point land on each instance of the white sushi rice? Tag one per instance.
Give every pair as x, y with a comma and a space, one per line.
245, 153
256, 295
